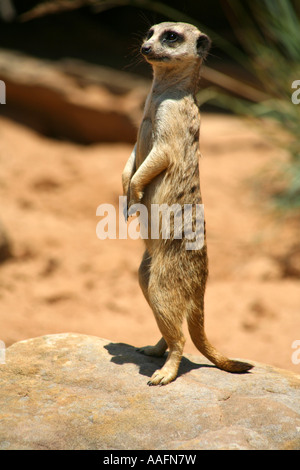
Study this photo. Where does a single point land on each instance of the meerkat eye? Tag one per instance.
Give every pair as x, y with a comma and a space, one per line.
171, 36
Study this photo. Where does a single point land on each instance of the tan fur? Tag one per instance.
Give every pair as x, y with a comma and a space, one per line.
163, 169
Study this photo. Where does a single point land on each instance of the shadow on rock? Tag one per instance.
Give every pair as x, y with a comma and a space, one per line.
125, 353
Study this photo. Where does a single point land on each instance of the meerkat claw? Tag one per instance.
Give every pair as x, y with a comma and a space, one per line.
162, 377
131, 209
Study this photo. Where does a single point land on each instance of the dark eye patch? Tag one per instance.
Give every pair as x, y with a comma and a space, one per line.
149, 34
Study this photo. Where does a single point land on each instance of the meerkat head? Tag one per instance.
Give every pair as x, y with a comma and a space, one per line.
169, 43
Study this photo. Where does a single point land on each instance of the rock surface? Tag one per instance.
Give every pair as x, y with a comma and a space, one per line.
70, 391
72, 100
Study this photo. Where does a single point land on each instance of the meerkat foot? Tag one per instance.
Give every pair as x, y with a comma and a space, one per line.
151, 351
162, 376
157, 351
168, 372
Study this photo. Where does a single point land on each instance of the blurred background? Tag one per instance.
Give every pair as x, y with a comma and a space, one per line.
75, 90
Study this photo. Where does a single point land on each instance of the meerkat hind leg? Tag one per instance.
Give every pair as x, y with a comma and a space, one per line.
171, 328
169, 370
144, 274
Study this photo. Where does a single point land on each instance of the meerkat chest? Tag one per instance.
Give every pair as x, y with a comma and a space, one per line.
144, 141
155, 114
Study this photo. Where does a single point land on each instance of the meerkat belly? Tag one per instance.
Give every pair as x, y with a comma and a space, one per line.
166, 200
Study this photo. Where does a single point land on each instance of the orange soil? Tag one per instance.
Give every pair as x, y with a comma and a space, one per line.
63, 278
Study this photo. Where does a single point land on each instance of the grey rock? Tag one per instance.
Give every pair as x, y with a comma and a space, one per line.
71, 391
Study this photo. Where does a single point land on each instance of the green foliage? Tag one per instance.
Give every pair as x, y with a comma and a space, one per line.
269, 33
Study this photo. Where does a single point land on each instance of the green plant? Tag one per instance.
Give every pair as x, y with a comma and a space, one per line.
269, 32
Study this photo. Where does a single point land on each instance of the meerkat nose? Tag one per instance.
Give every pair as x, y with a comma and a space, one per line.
146, 50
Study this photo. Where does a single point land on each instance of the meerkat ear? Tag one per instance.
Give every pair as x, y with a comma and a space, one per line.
203, 45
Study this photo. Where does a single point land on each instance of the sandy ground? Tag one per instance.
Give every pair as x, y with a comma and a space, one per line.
63, 278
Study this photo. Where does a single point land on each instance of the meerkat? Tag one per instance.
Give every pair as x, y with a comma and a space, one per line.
163, 168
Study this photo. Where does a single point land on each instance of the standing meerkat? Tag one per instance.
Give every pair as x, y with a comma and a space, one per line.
163, 169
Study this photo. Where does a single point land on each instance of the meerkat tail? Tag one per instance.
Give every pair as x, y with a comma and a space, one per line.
203, 345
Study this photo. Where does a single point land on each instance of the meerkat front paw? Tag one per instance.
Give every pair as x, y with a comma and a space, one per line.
133, 201
162, 377
135, 192
131, 209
